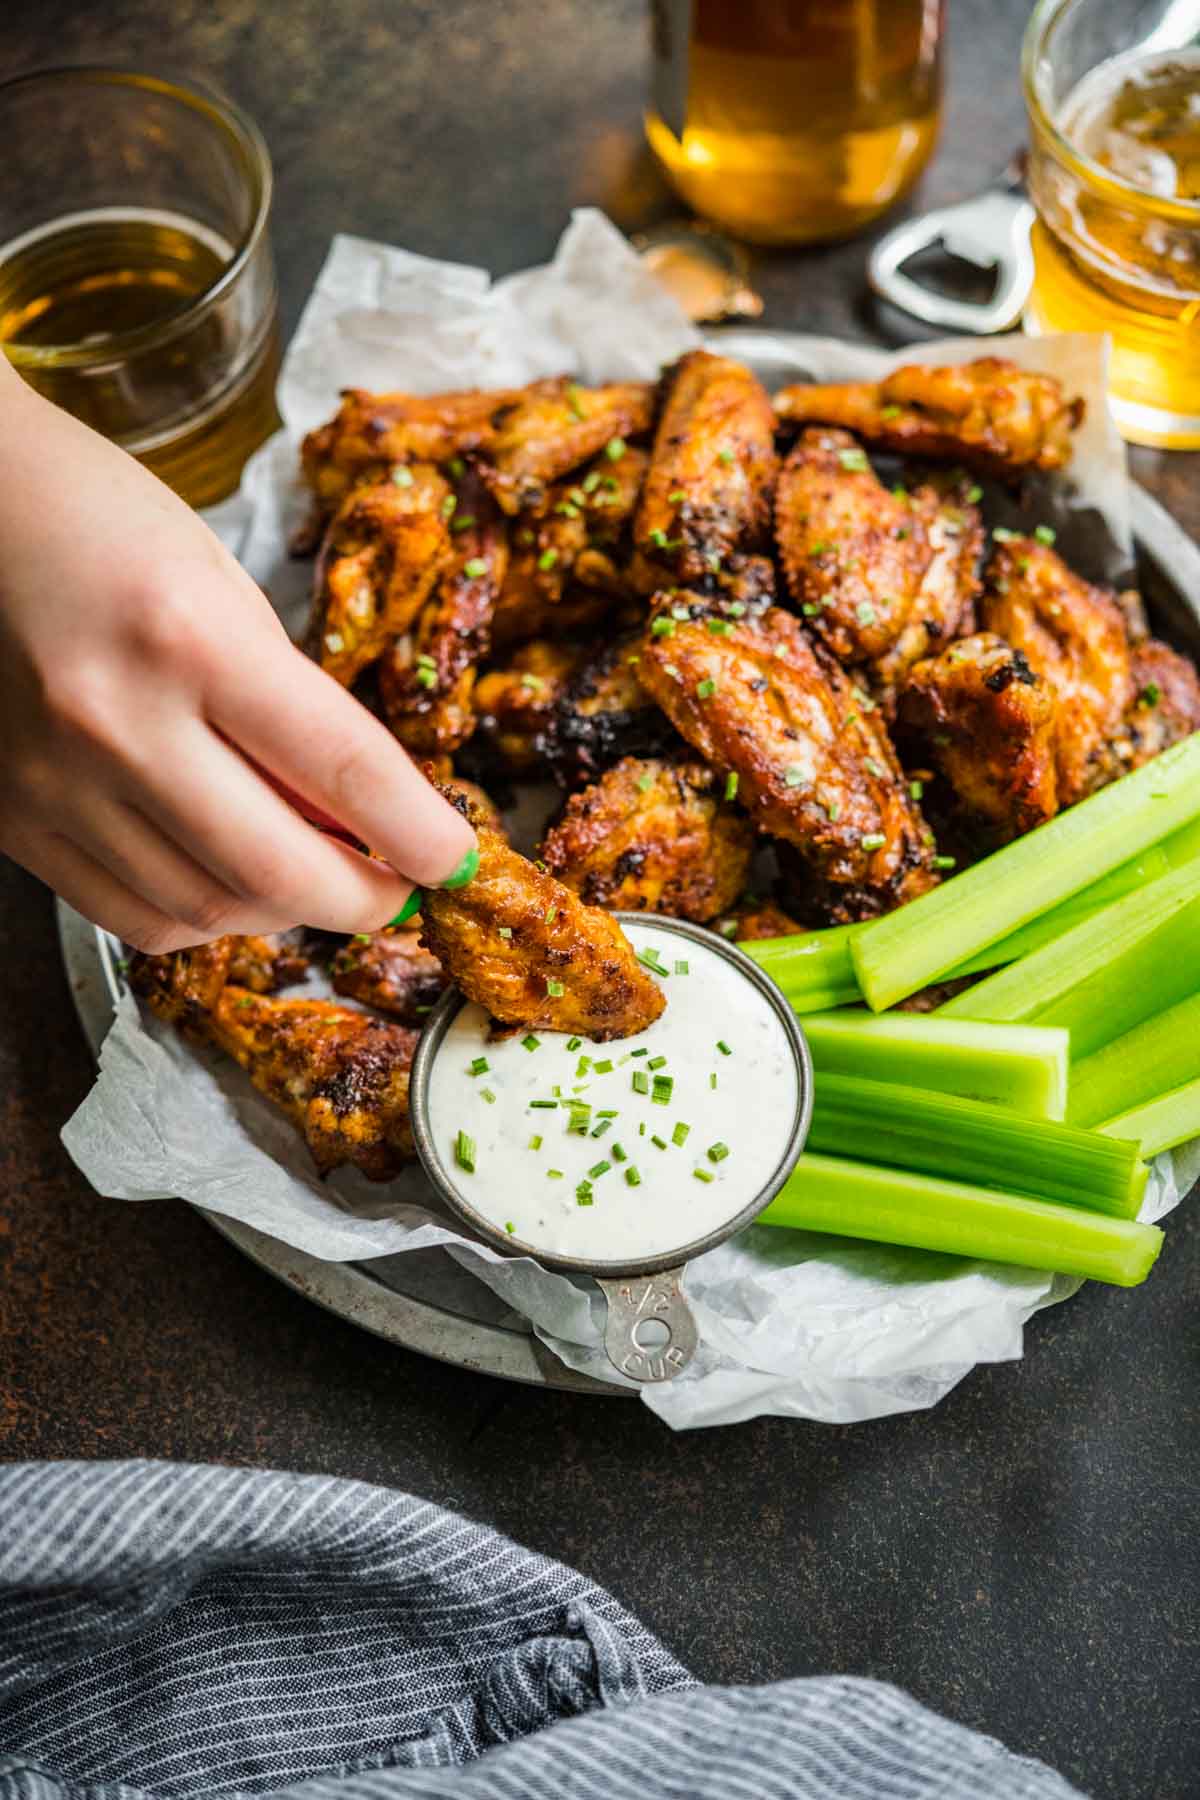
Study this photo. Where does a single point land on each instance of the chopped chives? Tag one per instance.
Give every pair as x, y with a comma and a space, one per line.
702, 1175
723, 1047
535, 1142
488, 1095
873, 840
680, 1134
591, 481
600, 1129
509, 1226
464, 1152
1045, 534
554, 990
657, 1062
712, 1080
633, 1179
573, 1043
706, 689
603, 1068
916, 789
642, 1128
641, 1082
599, 1169
615, 449
583, 1195
731, 785
476, 566
681, 968
618, 1153
717, 1152
551, 914
529, 1042
660, 1143
855, 459
664, 1087
547, 559
642, 1052
402, 476
480, 1066
608, 1112
544, 1105
582, 1066
504, 931
725, 456
554, 1174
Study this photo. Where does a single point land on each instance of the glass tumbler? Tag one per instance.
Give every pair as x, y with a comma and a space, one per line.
137, 288
1112, 88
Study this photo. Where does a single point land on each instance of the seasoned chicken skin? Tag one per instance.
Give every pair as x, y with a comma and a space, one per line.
814, 762
945, 607
857, 556
529, 951
1073, 635
369, 432
183, 989
988, 414
391, 971
427, 676
578, 536
551, 427
603, 714
652, 836
990, 722
1166, 699
708, 489
383, 553
516, 704
266, 963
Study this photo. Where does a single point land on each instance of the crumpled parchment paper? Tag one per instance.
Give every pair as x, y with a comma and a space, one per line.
793, 1323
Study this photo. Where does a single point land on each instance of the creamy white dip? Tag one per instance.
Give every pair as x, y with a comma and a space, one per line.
684, 1123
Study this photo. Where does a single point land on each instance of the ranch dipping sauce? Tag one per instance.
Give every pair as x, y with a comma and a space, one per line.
629, 1149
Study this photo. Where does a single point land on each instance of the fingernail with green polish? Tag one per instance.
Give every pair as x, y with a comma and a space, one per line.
411, 906
466, 871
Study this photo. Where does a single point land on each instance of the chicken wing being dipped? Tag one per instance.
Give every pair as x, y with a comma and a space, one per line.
1073, 635
990, 724
515, 704
527, 949
551, 427
427, 676
652, 836
371, 432
391, 971
865, 564
812, 759
383, 553
707, 492
988, 414
605, 713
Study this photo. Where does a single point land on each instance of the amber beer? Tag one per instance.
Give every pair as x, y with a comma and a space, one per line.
791, 120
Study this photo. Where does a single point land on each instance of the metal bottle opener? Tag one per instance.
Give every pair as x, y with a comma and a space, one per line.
991, 231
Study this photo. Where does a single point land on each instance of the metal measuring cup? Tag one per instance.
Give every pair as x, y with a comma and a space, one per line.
648, 1289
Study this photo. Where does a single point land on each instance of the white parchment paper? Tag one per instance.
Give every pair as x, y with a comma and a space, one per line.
793, 1323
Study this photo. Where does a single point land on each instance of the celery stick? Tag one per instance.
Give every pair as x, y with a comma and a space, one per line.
1181, 846
1134, 957
1160, 1124
967, 1140
1020, 1066
905, 950
813, 970
1159, 1054
892, 1206
1125, 879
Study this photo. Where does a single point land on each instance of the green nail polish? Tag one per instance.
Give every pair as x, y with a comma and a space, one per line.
466, 871
411, 905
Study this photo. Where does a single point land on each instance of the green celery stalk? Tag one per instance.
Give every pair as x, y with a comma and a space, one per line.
1125, 879
1181, 846
1023, 1067
969, 1140
1132, 958
813, 970
1156, 1056
893, 1206
1159, 1124
907, 949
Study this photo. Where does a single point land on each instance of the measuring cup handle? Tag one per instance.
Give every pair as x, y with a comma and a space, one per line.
640, 1309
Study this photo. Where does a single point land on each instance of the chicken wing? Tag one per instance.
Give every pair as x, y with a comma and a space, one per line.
755, 920
182, 989
988, 414
371, 432
551, 427
427, 676
990, 722
577, 538
813, 760
264, 964
385, 549
515, 705
1166, 704
857, 557
528, 950
391, 971
1073, 635
707, 492
605, 713
652, 836
945, 606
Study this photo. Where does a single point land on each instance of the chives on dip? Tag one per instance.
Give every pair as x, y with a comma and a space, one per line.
706, 1154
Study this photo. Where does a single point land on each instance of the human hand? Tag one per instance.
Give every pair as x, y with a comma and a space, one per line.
150, 698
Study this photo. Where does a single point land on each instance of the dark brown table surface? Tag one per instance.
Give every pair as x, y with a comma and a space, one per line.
1025, 1556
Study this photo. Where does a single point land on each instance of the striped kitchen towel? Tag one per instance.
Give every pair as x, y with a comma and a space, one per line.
171, 1631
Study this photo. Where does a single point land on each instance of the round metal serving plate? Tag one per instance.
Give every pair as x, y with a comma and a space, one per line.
423, 1300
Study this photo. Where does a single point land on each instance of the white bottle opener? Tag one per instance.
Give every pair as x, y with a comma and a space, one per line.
991, 231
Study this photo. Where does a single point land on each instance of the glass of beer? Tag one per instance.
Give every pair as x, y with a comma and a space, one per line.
1113, 92
137, 288
786, 121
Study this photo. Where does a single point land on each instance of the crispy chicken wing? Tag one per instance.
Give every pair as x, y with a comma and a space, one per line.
528, 950
182, 989
391, 971
523, 615
652, 836
370, 432
551, 427
990, 722
427, 676
1073, 635
864, 563
707, 492
578, 537
264, 964
814, 762
988, 413
758, 919
385, 549
1166, 704
605, 713
945, 606
516, 704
